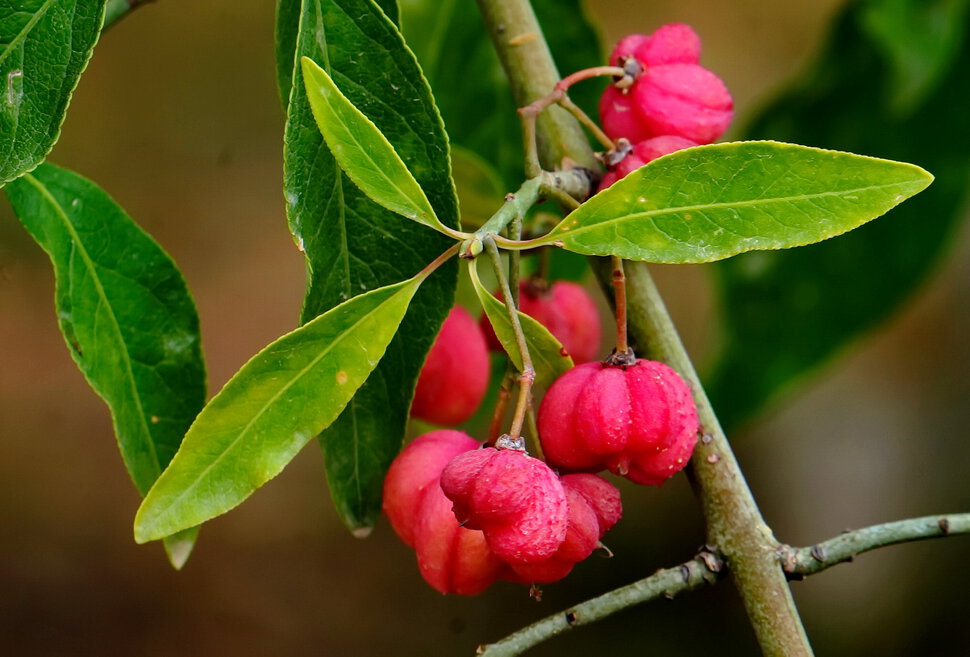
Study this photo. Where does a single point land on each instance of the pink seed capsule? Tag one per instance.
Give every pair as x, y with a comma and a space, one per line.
638, 421
673, 95
516, 500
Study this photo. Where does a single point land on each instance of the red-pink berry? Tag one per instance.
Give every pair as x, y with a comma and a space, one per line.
673, 95
417, 468
451, 558
516, 500
594, 507
637, 421
567, 310
643, 152
455, 375
684, 100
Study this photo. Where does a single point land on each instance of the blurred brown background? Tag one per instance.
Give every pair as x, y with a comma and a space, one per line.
178, 118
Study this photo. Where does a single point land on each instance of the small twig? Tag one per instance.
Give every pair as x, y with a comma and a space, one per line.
707, 568
799, 562
704, 569
527, 377
591, 125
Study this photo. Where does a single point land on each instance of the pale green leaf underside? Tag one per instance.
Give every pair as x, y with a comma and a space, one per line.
287, 394
363, 152
713, 202
549, 357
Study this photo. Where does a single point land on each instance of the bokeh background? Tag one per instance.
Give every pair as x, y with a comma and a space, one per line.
178, 118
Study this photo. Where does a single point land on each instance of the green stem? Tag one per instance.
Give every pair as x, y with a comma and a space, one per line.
527, 378
848, 545
700, 571
528, 64
734, 523
707, 568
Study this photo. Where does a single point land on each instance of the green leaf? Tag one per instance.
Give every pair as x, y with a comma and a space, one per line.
44, 47
786, 313
353, 244
920, 38
473, 93
712, 202
126, 315
287, 27
363, 152
284, 396
549, 357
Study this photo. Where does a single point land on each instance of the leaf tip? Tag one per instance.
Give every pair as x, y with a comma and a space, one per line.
362, 532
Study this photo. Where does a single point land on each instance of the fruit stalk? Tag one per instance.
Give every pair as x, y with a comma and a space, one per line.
734, 522
528, 375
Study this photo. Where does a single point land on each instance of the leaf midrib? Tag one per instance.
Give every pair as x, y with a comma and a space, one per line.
559, 233
59, 211
19, 38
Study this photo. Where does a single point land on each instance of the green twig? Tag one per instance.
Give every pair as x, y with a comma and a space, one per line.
700, 571
799, 562
706, 568
528, 375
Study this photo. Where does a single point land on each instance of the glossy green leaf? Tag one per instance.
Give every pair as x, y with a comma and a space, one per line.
283, 397
44, 47
353, 244
473, 93
126, 315
549, 357
286, 28
785, 313
363, 153
711, 202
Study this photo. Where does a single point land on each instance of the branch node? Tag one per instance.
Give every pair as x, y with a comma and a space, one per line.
944, 525
571, 619
818, 553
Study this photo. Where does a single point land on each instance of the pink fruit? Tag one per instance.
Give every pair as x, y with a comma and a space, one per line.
643, 152
451, 558
566, 309
638, 421
516, 500
673, 95
417, 468
594, 507
454, 378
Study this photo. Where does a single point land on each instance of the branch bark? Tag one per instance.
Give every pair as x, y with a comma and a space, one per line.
707, 568
734, 523
799, 562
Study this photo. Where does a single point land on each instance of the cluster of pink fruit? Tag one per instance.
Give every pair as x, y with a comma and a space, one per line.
475, 514
672, 103
478, 513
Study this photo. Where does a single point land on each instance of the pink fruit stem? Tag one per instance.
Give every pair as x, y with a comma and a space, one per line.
619, 296
531, 112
